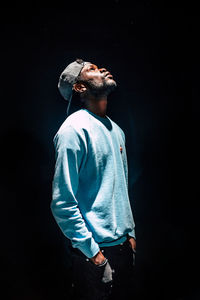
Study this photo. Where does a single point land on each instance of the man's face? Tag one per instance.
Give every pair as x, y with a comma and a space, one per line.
97, 81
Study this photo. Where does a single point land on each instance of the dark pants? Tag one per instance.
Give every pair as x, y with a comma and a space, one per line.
87, 284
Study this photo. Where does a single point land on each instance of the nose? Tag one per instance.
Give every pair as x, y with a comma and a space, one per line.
102, 70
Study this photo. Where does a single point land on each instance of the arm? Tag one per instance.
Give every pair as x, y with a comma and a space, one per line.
70, 157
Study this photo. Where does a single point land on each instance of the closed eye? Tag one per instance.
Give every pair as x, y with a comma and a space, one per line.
92, 68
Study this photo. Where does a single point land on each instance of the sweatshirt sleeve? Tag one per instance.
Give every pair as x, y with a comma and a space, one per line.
70, 156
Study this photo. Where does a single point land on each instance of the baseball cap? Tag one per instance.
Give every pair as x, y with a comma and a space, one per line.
67, 78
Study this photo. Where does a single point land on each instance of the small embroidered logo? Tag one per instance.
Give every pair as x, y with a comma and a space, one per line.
120, 148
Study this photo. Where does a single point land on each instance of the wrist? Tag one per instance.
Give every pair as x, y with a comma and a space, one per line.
98, 259
132, 243
103, 263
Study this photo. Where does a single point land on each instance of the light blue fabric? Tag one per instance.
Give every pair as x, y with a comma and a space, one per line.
90, 199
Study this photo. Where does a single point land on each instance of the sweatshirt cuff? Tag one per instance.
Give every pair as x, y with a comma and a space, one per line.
90, 248
132, 234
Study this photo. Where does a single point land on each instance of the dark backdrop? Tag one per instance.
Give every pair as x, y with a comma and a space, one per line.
150, 49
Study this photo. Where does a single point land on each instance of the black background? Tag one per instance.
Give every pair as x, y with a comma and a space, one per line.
151, 49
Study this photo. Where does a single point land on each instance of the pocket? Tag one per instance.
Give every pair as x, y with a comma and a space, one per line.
134, 257
132, 253
102, 282
96, 272
103, 273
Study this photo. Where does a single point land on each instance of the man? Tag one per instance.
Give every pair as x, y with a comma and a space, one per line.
90, 186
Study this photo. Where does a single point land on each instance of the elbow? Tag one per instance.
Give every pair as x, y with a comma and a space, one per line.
53, 207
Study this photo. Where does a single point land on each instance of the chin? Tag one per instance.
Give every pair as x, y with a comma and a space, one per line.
110, 86
112, 82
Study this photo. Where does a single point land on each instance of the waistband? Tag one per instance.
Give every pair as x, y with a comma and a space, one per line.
114, 245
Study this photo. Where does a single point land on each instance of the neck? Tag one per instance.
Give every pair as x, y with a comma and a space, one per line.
97, 106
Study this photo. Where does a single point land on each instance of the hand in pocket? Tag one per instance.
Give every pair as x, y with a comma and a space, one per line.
107, 274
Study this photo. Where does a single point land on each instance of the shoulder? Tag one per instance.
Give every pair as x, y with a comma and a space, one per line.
72, 129
76, 121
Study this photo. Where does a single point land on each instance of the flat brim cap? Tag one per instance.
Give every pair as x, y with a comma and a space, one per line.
68, 78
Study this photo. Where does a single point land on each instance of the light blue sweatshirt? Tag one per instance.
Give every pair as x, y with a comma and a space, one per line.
90, 201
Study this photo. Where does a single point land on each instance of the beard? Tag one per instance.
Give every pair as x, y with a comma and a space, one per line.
101, 89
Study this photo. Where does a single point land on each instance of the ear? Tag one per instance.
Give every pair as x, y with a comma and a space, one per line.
79, 87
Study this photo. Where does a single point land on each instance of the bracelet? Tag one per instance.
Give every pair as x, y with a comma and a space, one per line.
103, 263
